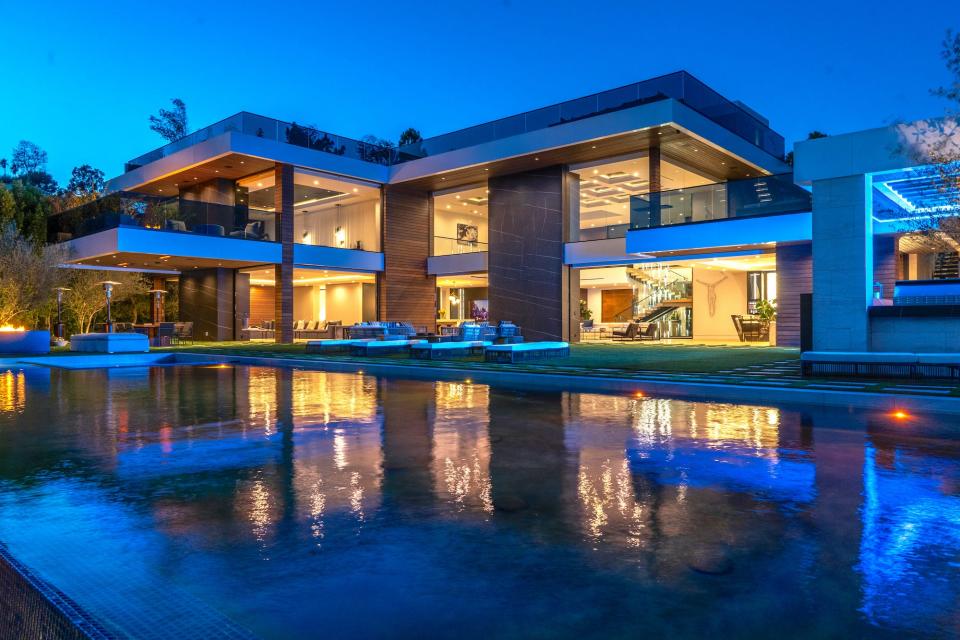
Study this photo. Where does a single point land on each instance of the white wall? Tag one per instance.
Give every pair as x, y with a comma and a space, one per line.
731, 295
344, 302
308, 302
595, 303
358, 220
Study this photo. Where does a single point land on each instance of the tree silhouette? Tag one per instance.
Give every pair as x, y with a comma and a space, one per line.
171, 124
27, 158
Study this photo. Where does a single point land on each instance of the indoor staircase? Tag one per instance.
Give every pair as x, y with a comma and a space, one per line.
946, 266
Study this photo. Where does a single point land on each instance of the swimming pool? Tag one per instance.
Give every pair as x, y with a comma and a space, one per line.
235, 501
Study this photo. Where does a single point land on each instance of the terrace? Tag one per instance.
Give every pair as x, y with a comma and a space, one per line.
680, 86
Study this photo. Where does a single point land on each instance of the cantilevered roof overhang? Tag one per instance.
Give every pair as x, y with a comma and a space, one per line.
682, 133
233, 155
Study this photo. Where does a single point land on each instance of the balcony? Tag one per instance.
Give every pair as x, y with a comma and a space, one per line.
177, 215
766, 195
452, 246
278, 131
680, 86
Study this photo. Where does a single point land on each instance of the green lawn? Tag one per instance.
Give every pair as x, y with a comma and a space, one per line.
621, 357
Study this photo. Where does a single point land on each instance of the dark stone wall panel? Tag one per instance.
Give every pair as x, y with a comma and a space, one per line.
794, 277
526, 269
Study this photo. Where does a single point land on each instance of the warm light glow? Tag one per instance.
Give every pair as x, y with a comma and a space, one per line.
638, 394
10, 327
900, 414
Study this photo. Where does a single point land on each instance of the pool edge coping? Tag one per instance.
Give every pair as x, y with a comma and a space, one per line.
574, 382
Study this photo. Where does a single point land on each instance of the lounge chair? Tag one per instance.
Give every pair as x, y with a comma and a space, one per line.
183, 332
330, 346
508, 333
442, 350
513, 353
381, 347
630, 332
650, 332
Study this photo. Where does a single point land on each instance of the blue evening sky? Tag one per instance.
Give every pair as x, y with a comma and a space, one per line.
81, 77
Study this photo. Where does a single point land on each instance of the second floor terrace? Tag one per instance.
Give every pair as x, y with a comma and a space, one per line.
679, 86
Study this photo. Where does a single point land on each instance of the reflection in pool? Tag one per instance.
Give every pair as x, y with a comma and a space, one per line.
200, 502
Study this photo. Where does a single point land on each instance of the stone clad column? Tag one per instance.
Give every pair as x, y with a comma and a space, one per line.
842, 263
283, 272
528, 280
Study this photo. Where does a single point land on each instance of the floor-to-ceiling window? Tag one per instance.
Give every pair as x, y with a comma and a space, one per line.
462, 297
606, 189
319, 295
460, 220
328, 211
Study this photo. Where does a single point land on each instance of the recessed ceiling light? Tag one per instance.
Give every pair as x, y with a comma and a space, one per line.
316, 182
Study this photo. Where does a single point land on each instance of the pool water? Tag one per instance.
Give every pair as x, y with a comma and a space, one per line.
253, 502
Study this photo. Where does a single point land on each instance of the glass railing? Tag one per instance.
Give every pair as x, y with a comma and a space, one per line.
680, 86
176, 215
279, 131
452, 246
761, 196
603, 232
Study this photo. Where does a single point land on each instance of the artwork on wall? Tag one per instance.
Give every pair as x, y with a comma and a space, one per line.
480, 310
467, 233
712, 293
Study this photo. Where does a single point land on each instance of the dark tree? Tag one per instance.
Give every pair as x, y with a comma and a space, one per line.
374, 149
410, 136
171, 124
3, 165
41, 181
27, 158
85, 181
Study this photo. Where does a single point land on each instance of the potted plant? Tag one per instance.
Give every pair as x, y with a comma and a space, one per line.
767, 312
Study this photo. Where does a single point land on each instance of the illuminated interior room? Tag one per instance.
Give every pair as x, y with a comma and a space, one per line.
689, 299
319, 295
462, 297
460, 220
328, 211
608, 187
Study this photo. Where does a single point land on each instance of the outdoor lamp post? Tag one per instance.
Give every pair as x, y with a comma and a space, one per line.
108, 292
58, 331
156, 311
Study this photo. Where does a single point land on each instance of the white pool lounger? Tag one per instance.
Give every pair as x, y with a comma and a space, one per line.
331, 346
511, 353
381, 347
441, 350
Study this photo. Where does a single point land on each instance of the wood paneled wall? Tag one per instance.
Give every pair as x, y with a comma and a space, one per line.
262, 305
406, 292
283, 297
794, 277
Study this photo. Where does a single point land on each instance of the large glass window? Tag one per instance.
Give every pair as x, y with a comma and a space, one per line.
605, 190
462, 297
460, 220
320, 297
328, 211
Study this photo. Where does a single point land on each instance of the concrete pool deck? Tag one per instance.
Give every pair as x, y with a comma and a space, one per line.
727, 386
